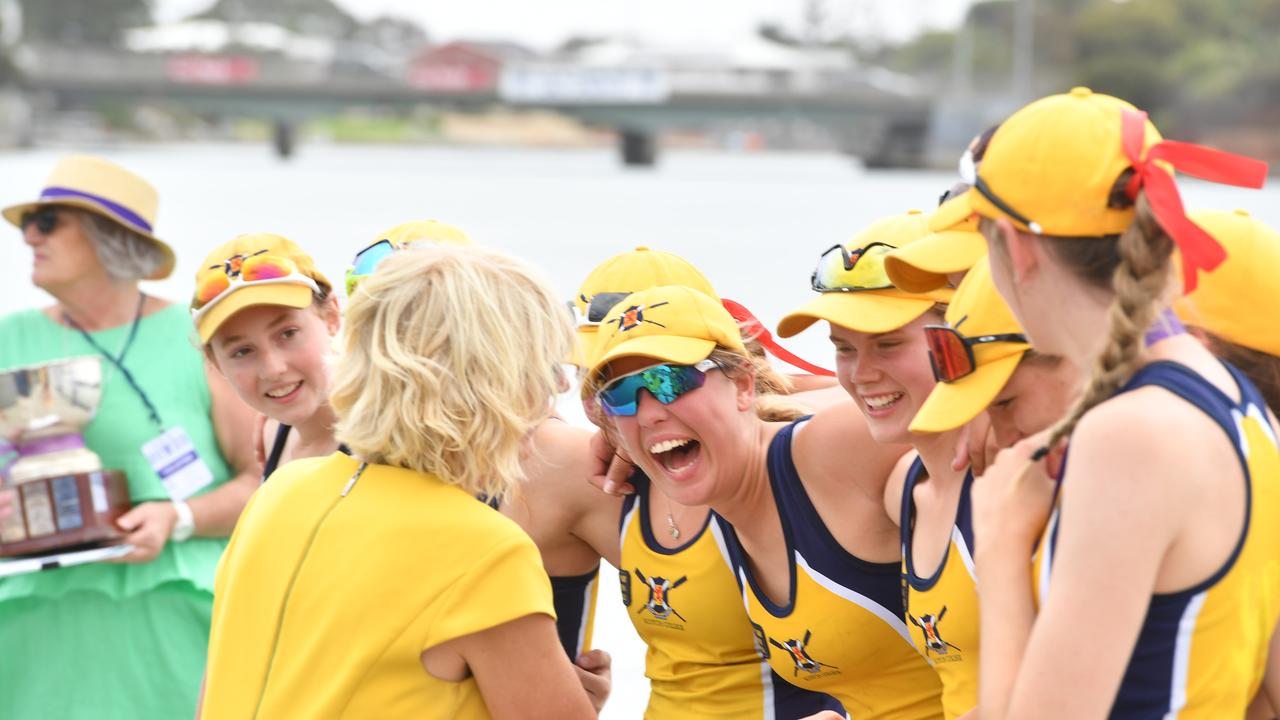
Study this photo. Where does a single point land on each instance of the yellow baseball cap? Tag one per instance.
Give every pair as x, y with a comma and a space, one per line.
1052, 166
1051, 169
424, 230
976, 313
398, 238
924, 265
257, 269
669, 323
621, 275
875, 306
1237, 301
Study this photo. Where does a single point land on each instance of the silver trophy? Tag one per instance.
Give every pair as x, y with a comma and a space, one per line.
64, 498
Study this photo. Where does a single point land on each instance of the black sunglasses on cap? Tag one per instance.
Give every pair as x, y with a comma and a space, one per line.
45, 218
598, 308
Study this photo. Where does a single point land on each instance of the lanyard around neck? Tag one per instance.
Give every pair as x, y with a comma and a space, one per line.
118, 360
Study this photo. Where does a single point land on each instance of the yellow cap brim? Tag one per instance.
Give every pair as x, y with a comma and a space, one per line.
287, 295
924, 265
868, 311
584, 342
14, 214
953, 404
678, 350
952, 212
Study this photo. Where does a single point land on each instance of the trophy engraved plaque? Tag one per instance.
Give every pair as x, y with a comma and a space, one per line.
64, 499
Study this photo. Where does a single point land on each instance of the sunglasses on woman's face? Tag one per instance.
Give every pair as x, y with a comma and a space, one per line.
45, 219
951, 354
667, 383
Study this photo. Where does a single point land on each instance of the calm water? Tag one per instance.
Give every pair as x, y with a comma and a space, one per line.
753, 223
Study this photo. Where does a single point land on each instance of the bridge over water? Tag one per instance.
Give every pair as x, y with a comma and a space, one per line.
860, 109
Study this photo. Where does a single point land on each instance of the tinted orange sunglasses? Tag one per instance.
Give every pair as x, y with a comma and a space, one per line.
259, 268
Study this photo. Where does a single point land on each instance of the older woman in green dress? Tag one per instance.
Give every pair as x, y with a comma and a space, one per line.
123, 639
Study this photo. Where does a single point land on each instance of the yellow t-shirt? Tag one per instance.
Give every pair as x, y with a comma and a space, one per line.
324, 603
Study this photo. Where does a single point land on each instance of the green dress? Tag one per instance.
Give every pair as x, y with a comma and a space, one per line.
106, 640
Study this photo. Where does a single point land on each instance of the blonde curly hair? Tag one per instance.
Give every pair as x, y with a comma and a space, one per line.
452, 357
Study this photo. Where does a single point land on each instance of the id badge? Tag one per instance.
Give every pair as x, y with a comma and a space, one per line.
174, 458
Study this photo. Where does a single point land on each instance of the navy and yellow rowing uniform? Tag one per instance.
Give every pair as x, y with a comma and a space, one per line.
1201, 652
701, 659
942, 609
575, 600
842, 630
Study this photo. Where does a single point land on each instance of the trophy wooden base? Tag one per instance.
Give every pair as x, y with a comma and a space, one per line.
69, 511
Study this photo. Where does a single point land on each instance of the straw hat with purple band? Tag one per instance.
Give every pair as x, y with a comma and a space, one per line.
102, 187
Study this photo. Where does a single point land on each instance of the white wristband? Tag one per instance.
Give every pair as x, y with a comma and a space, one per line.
186, 524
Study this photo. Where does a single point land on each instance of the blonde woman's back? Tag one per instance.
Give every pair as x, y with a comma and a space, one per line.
331, 608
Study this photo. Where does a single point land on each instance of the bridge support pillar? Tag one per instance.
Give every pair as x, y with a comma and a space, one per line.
283, 136
638, 148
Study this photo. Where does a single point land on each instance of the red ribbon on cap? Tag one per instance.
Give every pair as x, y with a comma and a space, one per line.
1200, 251
756, 331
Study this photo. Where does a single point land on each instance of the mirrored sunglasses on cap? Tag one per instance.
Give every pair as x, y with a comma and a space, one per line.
367, 260
597, 308
260, 268
667, 383
951, 354
843, 270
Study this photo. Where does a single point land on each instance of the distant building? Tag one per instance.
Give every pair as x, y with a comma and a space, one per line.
464, 66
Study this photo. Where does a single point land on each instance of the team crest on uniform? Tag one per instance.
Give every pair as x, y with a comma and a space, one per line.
800, 656
659, 602
928, 624
633, 317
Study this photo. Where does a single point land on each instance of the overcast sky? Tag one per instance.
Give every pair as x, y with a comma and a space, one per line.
544, 23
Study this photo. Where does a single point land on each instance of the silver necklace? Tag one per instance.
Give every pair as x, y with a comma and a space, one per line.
671, 522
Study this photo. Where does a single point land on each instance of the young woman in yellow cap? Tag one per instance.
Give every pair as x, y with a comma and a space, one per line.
281, 332
814, 550
1024, 392
981, 362
123, 640
1159, 599
879, 332
441, 605
707, 669
266, 318
700, 658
